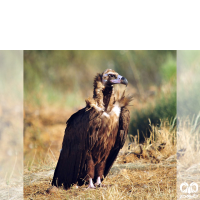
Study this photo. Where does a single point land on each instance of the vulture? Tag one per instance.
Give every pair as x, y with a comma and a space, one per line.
94, 135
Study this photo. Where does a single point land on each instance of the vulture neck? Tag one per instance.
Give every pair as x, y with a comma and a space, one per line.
103, 95
107, 98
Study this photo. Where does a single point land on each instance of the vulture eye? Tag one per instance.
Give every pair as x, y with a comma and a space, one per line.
111, 75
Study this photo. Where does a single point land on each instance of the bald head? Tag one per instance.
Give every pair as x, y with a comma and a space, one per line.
110, 77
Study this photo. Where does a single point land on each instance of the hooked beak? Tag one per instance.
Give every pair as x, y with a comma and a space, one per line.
120, 80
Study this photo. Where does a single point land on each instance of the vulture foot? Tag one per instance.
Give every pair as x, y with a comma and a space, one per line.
98, 183
91, 185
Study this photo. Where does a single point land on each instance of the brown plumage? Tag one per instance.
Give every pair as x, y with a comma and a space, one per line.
94, 135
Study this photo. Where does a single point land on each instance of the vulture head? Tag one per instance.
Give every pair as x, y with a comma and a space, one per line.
103, 94
110, 77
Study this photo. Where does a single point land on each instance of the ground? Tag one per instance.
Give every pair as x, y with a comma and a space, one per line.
140, 175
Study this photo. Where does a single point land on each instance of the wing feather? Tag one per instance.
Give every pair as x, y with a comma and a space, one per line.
80, 136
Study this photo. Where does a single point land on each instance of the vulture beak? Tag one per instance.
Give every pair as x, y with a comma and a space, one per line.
124, 81
120, 80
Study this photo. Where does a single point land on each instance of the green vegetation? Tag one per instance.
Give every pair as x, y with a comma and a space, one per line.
163, 105
164, 108
73, 71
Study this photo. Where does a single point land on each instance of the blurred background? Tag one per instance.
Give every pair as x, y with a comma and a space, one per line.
56, 84
11, 124
188, 95
188, 118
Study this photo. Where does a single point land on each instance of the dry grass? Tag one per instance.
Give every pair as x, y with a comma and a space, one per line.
149, 174
188, 151
157, 183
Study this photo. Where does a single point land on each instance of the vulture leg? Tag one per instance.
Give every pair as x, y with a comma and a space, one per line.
91, 185
90, 171
99, 169
98, 183
90, 167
